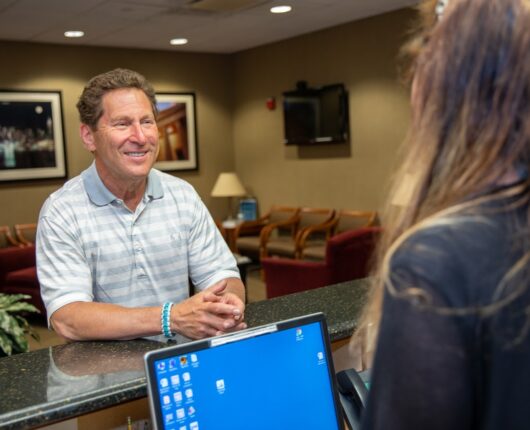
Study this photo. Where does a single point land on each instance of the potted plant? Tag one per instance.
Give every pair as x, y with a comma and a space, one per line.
13, 326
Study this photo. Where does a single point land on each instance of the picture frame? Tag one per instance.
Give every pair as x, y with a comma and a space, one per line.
177, 127
32, 144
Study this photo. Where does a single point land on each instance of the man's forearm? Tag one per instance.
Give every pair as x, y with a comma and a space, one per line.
92, 321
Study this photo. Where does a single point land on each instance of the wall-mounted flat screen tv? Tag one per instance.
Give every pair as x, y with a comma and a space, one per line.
316, 115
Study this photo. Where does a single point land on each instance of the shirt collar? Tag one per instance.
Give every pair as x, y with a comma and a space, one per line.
101, 196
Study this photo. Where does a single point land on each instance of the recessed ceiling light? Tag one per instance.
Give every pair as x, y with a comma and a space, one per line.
178, 41
281, 9
74, 33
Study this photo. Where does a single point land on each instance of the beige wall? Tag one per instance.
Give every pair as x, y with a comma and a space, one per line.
235, 130
362, 55
54, 67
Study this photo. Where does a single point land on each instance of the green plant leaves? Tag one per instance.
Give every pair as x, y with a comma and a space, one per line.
5, 344
13, 328
8, 300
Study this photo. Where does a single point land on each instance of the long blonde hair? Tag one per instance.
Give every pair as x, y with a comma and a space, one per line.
470, 124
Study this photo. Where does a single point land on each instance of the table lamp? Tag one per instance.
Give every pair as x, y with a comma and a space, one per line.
228, 185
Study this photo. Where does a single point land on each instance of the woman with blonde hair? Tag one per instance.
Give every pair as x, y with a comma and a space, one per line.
450, 309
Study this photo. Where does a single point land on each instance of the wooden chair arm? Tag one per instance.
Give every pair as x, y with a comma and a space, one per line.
250, 227
268, 229
304, 234
301, 239
9, 237
19, 232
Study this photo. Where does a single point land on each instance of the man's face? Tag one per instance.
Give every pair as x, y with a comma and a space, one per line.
125, 143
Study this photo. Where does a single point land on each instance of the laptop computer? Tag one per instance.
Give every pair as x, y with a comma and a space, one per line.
276, 376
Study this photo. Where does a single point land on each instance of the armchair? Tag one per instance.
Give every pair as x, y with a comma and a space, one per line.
6, 238
26, 233
347, 257
313, 247
248, 233
351, 220
18, 274
288, 246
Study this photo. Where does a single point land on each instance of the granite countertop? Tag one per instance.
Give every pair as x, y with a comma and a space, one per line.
341, 303
61, 382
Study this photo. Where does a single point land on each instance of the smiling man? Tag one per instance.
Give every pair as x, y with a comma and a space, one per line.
118, 245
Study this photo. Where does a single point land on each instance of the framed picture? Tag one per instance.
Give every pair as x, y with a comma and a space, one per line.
177, 132
31, 135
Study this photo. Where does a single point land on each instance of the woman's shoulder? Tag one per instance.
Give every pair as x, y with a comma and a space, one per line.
460, 259
466, 233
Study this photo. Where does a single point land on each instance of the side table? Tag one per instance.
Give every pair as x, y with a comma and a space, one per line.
230, 226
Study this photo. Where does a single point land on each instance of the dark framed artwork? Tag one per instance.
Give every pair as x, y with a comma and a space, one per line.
32, 142
177, 132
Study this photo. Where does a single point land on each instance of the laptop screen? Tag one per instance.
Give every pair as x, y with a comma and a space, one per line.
274, 377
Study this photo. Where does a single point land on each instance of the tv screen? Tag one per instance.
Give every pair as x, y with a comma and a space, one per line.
314, 116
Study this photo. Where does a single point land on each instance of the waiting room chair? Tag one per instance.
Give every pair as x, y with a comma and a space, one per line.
26, 233
312, 243
348, 256
18, 274
248, 234
288, 245
6, 237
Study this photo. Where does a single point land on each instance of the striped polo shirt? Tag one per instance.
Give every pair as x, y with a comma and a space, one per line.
91, 247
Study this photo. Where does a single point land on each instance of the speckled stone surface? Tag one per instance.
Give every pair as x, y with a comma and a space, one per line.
61, 382
340, 303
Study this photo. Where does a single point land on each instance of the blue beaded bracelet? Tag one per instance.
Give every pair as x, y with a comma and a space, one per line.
165, 319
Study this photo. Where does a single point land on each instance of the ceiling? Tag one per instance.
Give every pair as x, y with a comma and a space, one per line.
213, 26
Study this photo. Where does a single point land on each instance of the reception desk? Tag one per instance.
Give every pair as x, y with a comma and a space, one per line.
66, 381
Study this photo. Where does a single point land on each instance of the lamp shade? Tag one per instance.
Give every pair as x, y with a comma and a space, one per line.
228, 185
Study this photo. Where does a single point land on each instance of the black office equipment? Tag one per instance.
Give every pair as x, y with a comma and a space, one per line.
353, 395
316, 115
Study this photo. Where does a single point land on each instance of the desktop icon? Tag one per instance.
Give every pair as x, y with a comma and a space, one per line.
189, 393
220, 384
177, 396
175, 380
161, 365
163, 382
169, 418
172, 363
186, 376
166, 400
194, 425
320, 355
191, 410
299, 334
180, 413
193, 358
183, 361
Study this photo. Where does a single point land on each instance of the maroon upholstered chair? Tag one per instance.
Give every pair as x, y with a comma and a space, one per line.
18, 274
347, 257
